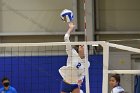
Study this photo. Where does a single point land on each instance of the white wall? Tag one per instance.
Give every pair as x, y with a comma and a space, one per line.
136, 62
32, 15
119, 15
136, 65
122, 61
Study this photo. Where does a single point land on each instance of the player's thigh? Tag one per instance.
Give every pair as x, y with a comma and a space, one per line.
77, 90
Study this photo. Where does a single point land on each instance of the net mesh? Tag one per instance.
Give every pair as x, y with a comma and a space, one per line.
33, 67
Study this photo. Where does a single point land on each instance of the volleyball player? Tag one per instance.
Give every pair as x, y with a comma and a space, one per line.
74, 71
115, 84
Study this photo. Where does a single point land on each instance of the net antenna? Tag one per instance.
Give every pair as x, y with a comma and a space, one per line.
85, 20
86, 51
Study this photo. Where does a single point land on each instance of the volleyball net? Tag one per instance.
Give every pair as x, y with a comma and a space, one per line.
33, 67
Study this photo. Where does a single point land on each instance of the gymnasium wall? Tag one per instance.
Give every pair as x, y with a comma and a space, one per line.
32, 15
119, 15
117, 20
125, 61
122, 61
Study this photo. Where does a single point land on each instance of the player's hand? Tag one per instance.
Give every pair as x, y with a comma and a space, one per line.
80, 82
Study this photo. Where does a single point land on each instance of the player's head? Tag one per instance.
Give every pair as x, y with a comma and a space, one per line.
5, 82
80, 50
115, 80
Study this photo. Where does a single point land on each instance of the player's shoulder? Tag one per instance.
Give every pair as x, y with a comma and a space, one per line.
117, 89
74, 52
12, 88
1, 89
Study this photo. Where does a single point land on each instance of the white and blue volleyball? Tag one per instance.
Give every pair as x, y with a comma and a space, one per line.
67, 15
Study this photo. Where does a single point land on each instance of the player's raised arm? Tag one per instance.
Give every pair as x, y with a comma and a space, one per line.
66, 39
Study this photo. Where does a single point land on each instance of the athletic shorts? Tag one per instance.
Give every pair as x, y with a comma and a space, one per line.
65, 87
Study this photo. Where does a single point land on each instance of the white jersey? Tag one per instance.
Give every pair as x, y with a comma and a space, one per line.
75, 68
117, 89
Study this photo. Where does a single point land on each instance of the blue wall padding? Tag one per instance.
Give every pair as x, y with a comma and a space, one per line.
39, 74
137, 84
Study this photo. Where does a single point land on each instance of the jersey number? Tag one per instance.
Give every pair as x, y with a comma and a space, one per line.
78, 65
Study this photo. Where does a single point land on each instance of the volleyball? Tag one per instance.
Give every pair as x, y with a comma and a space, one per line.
67, 15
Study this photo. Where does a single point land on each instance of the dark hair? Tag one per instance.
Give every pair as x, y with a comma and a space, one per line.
5, 78
117, 78
76, 47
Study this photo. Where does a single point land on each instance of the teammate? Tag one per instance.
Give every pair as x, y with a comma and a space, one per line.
6, 86
115, 84
74, 71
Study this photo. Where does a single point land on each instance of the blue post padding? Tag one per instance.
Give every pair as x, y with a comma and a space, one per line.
39, 74
137, 84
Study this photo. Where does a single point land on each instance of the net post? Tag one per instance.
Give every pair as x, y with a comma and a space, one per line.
105, 67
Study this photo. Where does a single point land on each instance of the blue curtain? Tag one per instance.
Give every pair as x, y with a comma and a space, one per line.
137, 84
